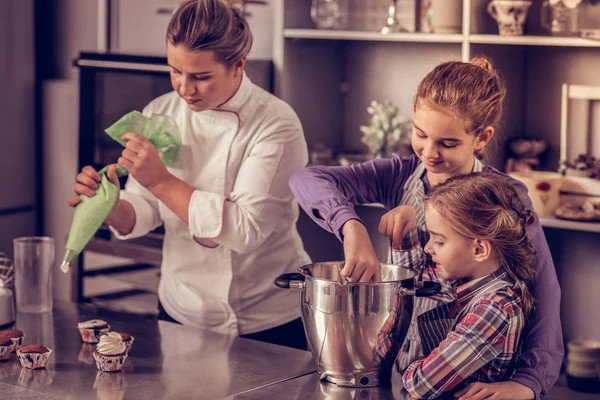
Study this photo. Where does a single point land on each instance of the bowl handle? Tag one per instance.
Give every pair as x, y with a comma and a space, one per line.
290, 280
425, 289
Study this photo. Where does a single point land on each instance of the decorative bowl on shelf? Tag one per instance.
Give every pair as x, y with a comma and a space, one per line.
543, 190
510, 15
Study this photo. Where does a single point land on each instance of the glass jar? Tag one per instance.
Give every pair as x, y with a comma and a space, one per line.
330, 14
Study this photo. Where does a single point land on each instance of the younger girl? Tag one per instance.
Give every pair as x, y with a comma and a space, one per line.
478, 241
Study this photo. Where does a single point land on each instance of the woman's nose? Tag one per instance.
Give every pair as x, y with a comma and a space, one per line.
186, 88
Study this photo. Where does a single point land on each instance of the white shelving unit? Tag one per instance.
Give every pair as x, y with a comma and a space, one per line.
372, 36
551, 222
533, 41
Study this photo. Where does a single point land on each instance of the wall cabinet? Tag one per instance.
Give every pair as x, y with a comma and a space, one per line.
139, 27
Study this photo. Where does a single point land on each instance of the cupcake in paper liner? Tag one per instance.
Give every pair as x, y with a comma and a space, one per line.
16, 335
6, 347
110, 352
92, 330
34, 378
127, 341
34, 356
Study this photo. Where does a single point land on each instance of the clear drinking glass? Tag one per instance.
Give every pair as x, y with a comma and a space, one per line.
33, 260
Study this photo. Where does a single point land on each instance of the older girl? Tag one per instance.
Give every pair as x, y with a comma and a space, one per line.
228, 212
457, 108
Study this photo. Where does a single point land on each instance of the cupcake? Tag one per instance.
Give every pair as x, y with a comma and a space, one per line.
33, 356
16, 336
110, 352
6, 346
127, 340
92, 330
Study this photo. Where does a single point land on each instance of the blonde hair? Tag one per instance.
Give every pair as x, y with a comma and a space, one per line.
487, 206
473, 91
211, 25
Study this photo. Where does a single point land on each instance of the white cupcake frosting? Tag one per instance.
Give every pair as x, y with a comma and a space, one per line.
111, 344
91, 324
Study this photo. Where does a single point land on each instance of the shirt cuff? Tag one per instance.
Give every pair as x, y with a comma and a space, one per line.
530, 378
144, 216
339, 217
410, 240
411, 254
206, 212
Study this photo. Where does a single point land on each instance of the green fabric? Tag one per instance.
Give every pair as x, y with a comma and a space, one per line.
90, 213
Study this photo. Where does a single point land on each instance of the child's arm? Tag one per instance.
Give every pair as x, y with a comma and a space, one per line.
476, 340
411, 254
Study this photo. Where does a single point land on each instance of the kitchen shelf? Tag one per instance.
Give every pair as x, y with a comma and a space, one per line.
372, 36
534, 41
551, 222
552, 41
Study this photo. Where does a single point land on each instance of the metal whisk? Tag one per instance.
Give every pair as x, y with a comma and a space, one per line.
7, 271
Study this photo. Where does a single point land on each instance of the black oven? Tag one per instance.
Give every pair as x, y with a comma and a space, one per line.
111, 85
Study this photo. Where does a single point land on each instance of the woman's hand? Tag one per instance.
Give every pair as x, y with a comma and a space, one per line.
140, 158
362, 264
508, 390
87, 183
396, 223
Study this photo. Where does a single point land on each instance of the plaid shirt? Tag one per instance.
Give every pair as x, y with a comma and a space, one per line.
411, 256
484, 325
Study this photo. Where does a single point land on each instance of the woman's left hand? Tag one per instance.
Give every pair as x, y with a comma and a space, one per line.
508, 390
140, 158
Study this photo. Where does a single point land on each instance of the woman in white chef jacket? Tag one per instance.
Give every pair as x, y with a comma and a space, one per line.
228, 212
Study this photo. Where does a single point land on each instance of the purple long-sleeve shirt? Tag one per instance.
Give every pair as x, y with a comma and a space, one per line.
336, 190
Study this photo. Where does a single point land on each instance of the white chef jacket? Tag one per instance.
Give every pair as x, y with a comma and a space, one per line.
239, 158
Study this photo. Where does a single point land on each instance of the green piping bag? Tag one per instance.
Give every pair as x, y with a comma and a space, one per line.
90, 213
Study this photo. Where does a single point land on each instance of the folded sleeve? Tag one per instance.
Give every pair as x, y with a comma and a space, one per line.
334, 191
145, 206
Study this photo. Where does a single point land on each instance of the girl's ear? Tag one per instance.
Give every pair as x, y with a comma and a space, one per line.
484, 138
482, 250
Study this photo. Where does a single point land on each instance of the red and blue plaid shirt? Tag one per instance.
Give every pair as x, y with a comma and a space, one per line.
483, 343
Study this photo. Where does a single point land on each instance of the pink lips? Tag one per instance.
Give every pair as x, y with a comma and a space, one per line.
432, 163
191, 101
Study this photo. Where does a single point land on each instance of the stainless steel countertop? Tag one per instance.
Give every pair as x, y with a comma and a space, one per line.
308, 387
167, 361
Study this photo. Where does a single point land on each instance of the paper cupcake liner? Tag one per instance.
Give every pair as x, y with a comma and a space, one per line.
17, 342
6, 351
109, 363
34, 360
92, 335
128, 344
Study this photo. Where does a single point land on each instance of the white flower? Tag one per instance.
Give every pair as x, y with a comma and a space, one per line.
387, 128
